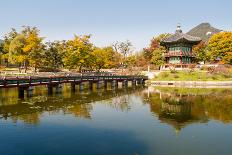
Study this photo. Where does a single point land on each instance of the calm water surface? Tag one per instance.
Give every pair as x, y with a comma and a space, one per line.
133, 121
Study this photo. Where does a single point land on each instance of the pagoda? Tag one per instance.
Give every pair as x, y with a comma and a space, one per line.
179, 49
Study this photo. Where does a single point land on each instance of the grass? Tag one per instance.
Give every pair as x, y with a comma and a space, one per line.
192, 76
196, 91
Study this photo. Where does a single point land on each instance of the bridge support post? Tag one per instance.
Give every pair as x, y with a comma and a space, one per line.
30, 91
98, 84
73, 87
81, 86
125, 83
134, 83
105, 84
143, 82
90, 85
50, 89
59, 88
21, 92
113, 84
139, 82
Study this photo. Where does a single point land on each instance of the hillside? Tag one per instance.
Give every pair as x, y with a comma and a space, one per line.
204, 31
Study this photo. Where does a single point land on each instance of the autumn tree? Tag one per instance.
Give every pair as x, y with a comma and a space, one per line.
33, 46
77, 53
220, 46
200, 52
154, 53
25, 48
100, 58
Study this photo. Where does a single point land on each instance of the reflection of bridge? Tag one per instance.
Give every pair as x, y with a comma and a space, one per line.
51, 82
78, 104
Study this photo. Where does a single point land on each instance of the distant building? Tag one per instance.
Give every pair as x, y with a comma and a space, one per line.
179, 49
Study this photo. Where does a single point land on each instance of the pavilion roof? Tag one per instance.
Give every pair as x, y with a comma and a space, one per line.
180, 37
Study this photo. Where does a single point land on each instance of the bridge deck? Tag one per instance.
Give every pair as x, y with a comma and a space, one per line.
35, 81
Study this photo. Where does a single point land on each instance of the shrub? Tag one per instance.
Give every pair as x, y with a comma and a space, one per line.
176, 76
164, 75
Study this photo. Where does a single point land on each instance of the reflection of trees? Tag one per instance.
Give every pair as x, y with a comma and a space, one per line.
78, 104
27, 118
81, 110
179, 110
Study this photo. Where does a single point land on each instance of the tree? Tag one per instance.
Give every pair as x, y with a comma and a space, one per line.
157, 57
16, 52
26, 47
100, 58
154, 53
33, 46
115, 58
77, 54
220, 46
125, 48
200, 52
6, 44
154, 45
53, 55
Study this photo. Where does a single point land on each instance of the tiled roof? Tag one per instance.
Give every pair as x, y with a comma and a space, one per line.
179, 37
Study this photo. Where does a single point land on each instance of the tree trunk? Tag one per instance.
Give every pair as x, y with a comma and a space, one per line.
25, 66
80, 69
20, 67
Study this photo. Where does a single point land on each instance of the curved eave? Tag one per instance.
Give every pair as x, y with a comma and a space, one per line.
181, 40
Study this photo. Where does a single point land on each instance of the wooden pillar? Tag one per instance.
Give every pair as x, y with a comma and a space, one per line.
21, 92
134, 82
30, 91
73, 87
98, 84
59, 88
113, 84
90, 85
105, 84
125, 83
50, 89
81, 86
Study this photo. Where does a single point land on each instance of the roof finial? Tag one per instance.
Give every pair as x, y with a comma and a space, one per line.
178, 29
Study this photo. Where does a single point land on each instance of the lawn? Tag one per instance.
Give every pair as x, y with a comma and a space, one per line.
192, 76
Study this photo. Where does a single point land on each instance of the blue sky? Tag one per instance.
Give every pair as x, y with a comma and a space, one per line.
113, 20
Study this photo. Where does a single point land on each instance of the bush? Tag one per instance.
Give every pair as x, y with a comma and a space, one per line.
164, 75
176, 76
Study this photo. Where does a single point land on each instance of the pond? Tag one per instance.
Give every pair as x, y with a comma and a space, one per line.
132, 121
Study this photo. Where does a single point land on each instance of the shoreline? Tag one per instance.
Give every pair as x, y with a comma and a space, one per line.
193, 83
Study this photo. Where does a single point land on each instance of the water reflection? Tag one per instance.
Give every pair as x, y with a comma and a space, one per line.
79, 104
179, 107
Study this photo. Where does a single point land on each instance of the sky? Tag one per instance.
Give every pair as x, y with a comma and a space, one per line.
109, 21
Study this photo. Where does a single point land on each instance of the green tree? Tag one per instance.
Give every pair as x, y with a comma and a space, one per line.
53, 55
6, 45
157, 57
16, 53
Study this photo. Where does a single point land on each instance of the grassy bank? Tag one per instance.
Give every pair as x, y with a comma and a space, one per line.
192, 76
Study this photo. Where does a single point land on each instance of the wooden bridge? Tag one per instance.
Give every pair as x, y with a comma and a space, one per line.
27, 84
